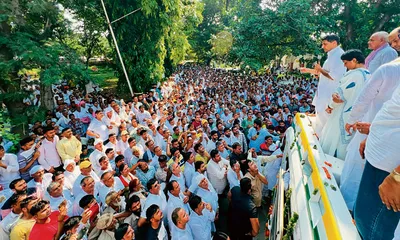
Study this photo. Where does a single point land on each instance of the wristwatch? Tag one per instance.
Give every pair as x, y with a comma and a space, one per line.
395, 175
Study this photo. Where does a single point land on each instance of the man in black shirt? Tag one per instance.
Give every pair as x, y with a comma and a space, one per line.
154, 216
245, 224
239, 156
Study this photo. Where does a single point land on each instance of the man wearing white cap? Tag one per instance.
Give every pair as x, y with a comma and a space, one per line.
40, 180
122, 144
71, 172
98, 128
208, 194
97, 154
112, 120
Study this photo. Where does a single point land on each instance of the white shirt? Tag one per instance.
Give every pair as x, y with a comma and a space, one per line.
76, 209
225, 118
201, 224
172, 204
209, 196
127, 155
211, 145
180, 180
48, 154
99, 127
7, 224
382, 149
233, 179
110, 145
376, 92
385, 55
63, 122
140, 116
70, 177
104, 190
180, 234
11, 172
326, 86
216, 174
41, 188
188, 172
158, 200
121, 146
94, 159
55, 202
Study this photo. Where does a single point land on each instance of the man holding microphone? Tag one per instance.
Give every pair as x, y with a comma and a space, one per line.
330, 73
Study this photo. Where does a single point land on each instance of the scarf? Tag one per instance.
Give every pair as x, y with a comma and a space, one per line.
372, 55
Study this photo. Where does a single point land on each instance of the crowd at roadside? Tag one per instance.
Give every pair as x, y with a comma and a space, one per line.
156, 166
197, 156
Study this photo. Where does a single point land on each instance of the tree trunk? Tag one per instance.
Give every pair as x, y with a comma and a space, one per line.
46, 95
349, 23
382, 22
87, 63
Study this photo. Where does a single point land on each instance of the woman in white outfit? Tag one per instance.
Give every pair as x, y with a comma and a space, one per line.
334, 138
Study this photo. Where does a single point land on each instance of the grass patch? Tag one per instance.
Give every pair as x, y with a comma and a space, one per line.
104, 76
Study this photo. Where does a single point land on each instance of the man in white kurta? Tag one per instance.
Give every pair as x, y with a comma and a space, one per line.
98, 128
9, 169
375, 205
329, 75
381, 51
378, 89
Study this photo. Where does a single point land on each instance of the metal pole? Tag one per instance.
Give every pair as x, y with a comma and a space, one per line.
117, 48
116, 20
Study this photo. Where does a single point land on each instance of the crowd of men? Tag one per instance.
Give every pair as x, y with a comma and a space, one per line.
161, 165
156, 167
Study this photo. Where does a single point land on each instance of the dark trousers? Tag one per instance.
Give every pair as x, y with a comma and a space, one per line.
374, 221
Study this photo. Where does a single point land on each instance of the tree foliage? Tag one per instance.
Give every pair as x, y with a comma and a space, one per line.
32, 35
267, 30
89, 36
213, 22
152, 41
221, 44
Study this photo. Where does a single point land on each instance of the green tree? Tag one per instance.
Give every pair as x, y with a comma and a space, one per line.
200, 39
32, 35
221, 44
151, 41
183, 24
261, 34
89, 36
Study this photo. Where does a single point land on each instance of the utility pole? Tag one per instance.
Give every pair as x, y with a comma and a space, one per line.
116, 44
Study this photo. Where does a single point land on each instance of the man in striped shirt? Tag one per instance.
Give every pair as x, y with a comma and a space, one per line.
27, 157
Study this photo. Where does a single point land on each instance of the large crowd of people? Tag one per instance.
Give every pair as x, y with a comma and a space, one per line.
156, 167
198, 155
